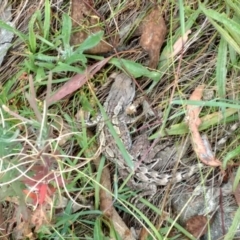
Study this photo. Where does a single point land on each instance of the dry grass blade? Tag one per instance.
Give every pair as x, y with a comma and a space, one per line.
77, 81
179, 44
32, 99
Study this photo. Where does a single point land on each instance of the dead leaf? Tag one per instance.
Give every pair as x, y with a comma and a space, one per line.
40, 217
179, 44
77, 81
143, 234
200, 144
197, 225
121, 227
86, 18
153, 31
23, 230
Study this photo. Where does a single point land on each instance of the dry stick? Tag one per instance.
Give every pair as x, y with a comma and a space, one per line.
6, 109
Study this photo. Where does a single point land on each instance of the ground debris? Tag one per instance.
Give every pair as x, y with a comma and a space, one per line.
85, 17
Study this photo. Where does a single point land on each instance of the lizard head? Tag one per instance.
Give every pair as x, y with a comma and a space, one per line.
121, 94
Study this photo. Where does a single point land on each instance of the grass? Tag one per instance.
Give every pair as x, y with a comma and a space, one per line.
44, 151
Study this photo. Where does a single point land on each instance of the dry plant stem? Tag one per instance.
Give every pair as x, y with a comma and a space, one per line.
6, 109
163, 217
32, 99
49, 89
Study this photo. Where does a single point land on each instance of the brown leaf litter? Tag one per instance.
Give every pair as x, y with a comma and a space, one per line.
200, 144
197, 225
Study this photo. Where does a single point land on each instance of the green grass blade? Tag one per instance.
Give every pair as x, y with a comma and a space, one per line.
236, 179
136, 69
91, 41
66, 67
235, 224
207, 122
76, 58
206, 103
221, 70
143, 217
43, 57
97, 186
182, 17
227, 37
232, 55
98, 235
118, 141
229, 24
234, 6
51, 45
32, 37
231, 155
66, 30
6, 26
222, 18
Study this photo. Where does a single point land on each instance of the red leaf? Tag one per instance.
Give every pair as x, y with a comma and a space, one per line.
43, 190
42, 193
32, 195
